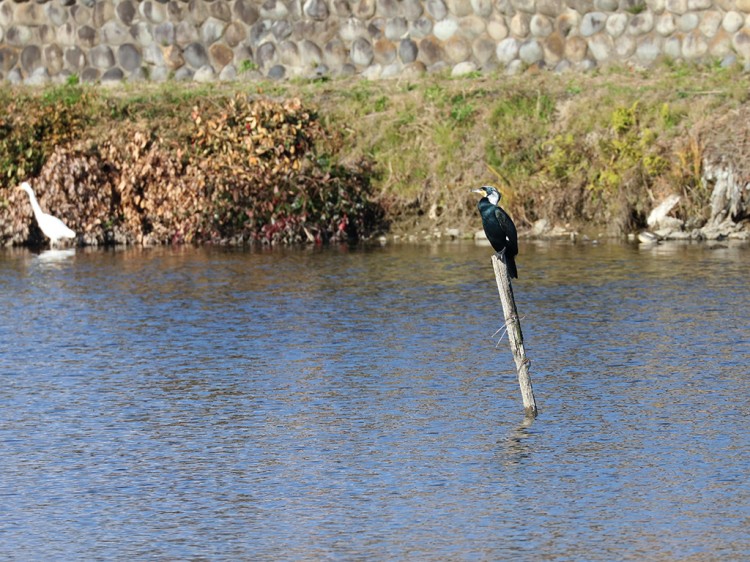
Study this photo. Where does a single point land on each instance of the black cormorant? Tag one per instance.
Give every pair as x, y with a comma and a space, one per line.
499, 228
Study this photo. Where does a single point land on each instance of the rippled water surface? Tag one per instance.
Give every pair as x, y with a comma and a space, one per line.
353, 404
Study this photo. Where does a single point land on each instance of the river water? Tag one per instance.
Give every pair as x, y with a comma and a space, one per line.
353, 404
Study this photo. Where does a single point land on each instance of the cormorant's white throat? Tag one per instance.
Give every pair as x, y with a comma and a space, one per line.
493, 197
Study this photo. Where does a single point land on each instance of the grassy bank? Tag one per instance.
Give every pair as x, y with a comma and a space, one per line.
596, 150
589, 151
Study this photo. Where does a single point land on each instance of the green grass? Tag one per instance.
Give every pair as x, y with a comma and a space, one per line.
247, 66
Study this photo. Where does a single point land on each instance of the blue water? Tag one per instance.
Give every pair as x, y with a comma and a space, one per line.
353, 404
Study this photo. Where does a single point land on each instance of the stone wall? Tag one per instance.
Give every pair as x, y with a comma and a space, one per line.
204, 40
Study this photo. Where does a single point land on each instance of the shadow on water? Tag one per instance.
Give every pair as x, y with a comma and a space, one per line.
516, 449
352, 403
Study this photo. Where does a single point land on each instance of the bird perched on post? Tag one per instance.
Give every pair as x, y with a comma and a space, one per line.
498, 226
52, 227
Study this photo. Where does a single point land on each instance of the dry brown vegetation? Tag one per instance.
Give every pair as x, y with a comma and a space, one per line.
235, 169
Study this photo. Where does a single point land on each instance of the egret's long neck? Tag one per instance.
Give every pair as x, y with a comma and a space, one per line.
34, 205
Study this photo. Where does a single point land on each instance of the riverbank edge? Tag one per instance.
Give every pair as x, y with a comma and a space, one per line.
457, 123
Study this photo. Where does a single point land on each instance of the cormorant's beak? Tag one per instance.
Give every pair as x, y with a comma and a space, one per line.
480, 190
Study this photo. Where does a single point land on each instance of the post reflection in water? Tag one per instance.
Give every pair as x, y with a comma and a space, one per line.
178, 403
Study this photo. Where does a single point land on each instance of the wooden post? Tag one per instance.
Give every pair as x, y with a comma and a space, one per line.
515, 336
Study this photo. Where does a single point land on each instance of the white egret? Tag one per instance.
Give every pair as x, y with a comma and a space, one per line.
52, 227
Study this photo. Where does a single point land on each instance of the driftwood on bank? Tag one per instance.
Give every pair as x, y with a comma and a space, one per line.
515, 336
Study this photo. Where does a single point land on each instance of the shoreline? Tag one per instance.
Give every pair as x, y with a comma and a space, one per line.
572, 154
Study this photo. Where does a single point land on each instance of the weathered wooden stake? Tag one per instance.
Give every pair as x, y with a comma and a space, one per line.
515, 336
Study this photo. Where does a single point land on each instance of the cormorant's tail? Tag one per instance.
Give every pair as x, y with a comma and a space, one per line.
510, 261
